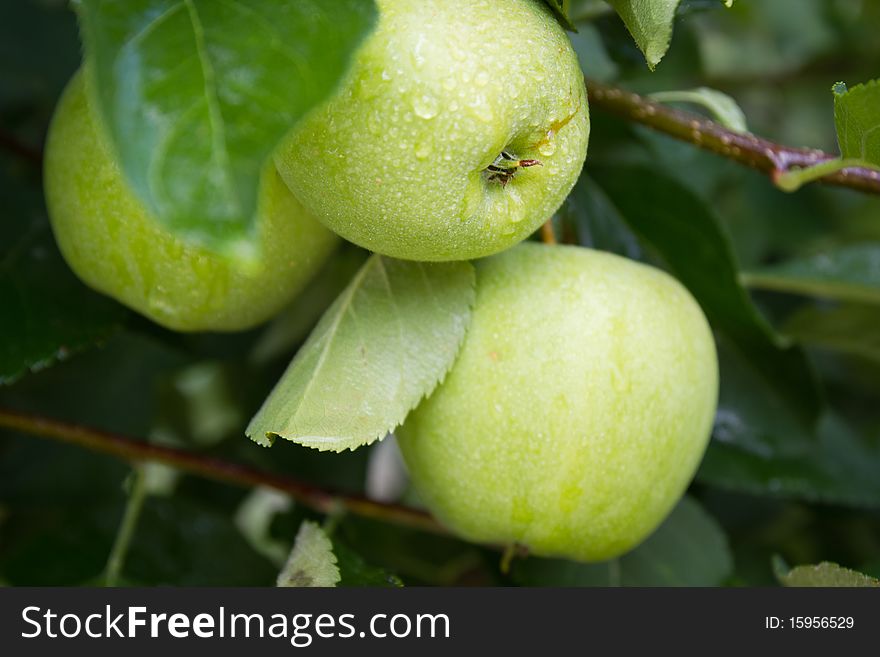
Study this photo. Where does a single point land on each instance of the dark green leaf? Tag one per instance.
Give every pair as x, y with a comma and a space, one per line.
849, 328
850, 273
386, 342
188, 542
196, 94
686, 233
47, 313
688, 549
354, 571
839, 468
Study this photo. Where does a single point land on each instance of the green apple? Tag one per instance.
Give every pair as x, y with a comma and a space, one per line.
461, 127
114, 244
577, 411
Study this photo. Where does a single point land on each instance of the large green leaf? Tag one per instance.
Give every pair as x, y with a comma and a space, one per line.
47, 314
383, 345
197, 93
688, 549
849, 273
857, 117
687, 234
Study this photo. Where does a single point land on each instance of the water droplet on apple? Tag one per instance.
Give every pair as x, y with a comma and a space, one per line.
423, 150
547, 147
374, 123
482, 79
426, 106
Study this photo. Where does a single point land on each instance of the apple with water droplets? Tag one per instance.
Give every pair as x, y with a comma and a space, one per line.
460, 128
577, 410
114, 243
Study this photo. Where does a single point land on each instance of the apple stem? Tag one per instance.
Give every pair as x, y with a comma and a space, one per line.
547, 234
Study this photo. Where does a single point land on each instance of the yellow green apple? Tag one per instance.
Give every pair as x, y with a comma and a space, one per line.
577, 411
461, 127
114, 244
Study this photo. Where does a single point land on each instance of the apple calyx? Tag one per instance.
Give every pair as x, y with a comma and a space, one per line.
505, 165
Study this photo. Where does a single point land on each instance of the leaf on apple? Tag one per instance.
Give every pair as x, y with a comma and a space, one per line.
384, 344
195, 96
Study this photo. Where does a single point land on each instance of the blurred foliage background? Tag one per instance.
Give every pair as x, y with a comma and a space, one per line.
793, 472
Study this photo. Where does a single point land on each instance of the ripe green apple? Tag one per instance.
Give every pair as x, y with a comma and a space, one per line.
461, 127
577, 411
114, 244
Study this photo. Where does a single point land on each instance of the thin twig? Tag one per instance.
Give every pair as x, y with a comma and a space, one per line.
761, 154
128, 449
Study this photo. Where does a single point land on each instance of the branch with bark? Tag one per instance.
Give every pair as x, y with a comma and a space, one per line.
138, 451
769, 157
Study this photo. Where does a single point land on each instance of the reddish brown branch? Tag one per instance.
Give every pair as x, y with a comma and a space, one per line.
755, 152
128, 449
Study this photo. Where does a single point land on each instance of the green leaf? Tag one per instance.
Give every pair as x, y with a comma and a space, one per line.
293, 324
354, 571
561, 9
688, 235
822, 574
688, 549
384, 344
849, 273
196, 94
312, 562
840, 467
650, 24
47, 313
848, 328
723, 108
857, 118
